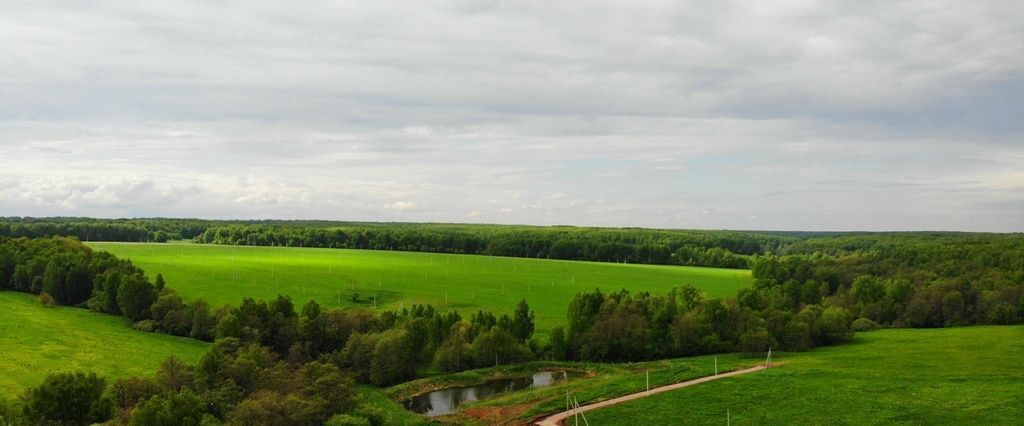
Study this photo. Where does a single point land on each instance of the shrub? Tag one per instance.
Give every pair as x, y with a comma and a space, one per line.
46, 299
147, 326
863, 324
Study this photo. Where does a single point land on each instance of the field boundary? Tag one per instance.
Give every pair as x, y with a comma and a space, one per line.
557, 418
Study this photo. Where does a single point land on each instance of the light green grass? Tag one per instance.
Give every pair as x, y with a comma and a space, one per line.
36, 340
224, 274
969, 375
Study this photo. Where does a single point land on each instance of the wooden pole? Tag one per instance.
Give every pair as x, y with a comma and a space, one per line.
585, 422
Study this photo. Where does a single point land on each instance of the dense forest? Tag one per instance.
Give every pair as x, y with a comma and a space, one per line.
903, 280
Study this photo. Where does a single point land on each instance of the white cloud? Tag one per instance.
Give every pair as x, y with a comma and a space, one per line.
401, 205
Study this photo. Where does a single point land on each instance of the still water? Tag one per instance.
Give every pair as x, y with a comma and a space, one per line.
446, 401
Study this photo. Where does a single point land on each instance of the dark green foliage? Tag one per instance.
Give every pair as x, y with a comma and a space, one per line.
392, 360
88, 229
249, 384
621, 326
67, 278
129, 391
755, 342
135, 296
70, 399
174, 375
522, 322
904, 279
705, 248
182, 408
159, 283
558, 345
834, 325
453, 354
203, 323
358, 354
71, 274
496, 347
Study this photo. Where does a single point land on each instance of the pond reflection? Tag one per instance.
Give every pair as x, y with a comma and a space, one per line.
446, 401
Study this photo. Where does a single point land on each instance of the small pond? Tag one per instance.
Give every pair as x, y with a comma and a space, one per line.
446, 401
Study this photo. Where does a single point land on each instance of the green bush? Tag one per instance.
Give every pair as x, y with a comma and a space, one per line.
863, 324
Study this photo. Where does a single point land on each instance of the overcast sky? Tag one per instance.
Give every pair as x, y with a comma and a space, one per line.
871, 115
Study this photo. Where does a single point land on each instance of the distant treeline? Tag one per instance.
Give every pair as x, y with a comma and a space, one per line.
727, 249
89, 229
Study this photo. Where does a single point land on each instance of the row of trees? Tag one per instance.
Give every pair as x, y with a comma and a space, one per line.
704, 248
89, 229
622, 326
725, 249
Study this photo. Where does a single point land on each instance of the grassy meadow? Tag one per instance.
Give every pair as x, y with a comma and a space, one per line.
970, 375
37, 339
388, 279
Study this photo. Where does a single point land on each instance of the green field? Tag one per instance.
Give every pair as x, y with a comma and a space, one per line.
36, 340
225, 274
972, 375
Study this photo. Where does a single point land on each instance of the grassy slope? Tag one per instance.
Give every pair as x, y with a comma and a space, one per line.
35, 340
937, 376
224, 274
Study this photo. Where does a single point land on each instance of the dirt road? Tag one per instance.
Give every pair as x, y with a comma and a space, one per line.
556, 419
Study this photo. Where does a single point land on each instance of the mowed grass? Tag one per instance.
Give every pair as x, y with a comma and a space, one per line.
36, 340
971, 375
387, 279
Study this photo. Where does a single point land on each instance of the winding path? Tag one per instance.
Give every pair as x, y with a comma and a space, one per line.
556, 419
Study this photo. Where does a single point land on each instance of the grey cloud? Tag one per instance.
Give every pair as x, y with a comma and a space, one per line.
789, 114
